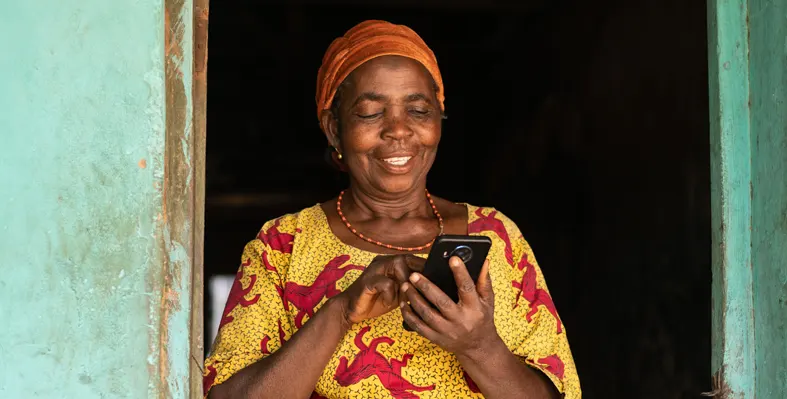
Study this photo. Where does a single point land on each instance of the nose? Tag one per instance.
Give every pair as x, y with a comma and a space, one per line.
396, 126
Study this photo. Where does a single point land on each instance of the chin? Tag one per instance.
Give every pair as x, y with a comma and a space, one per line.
396, 185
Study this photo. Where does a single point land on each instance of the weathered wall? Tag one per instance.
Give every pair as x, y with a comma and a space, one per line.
96, 198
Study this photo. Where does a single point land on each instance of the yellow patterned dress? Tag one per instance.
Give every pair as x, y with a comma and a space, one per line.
296, 263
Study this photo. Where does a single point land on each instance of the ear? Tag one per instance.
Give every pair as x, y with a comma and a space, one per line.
330, 126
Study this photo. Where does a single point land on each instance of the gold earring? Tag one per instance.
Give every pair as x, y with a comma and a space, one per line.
337, 151
340, 155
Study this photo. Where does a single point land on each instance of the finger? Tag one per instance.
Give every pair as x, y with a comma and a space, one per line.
435, 295
465, 283
417, 324
484, 285
378, 264
383, 288
415, 263
429, 315
404, 265
400, 270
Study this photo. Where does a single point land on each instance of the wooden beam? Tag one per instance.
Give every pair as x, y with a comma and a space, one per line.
748, 104
199, 103
733, 309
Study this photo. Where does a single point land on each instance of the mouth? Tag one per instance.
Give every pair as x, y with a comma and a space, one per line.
397, 161
398, 164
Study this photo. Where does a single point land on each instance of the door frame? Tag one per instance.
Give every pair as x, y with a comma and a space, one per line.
180, 330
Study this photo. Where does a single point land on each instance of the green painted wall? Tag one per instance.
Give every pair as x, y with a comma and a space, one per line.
95, 293
748, 88
768, 82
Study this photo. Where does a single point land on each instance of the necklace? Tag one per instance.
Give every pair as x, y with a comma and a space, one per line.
389, 246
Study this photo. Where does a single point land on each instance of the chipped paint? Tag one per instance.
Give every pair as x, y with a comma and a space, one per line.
199, 95
180, 199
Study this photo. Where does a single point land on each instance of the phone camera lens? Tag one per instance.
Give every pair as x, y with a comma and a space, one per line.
463, 252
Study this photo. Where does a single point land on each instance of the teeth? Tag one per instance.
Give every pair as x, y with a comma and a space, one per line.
397, 161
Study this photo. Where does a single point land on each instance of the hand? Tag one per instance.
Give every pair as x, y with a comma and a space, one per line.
376, 291
459, 328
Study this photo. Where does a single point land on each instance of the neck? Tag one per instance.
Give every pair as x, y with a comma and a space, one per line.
393, 206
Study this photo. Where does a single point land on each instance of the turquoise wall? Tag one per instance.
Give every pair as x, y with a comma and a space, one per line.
92, 280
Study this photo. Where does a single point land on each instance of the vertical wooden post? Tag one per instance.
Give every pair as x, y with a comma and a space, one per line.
733, 322
748, 80
180, 329
767, 23
200, 101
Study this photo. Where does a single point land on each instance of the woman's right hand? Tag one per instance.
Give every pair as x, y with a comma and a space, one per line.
376, 291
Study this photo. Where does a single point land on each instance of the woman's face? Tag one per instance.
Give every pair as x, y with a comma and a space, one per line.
390, 125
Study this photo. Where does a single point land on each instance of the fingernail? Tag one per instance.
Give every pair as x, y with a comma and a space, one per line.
401, 304
415, 277
405, 287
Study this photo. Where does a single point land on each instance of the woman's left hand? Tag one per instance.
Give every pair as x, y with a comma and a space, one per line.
463, 328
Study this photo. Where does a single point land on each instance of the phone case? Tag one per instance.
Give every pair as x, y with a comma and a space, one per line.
471, 249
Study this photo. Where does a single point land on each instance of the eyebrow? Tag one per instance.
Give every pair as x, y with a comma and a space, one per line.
371, 96
418, 97
377, 97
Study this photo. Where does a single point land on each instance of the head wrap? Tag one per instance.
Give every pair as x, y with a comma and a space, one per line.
365, 41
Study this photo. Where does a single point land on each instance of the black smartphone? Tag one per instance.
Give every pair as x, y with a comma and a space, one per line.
471, 249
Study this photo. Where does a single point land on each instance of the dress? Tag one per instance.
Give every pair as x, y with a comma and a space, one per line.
296, 263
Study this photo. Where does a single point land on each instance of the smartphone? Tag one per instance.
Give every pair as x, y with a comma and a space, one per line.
471, 249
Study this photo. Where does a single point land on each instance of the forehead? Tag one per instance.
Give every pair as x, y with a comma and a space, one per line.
391, 72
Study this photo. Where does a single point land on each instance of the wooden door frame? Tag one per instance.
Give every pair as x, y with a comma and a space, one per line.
181, 347
748, 137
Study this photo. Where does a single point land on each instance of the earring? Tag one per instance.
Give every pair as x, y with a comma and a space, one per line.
340, 155
337, 152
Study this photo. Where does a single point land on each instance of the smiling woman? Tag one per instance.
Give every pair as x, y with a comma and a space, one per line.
319, 299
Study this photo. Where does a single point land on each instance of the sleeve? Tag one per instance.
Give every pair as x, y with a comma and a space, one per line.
539, 337
254, 320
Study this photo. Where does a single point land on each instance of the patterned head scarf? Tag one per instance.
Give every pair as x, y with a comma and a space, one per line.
365, 41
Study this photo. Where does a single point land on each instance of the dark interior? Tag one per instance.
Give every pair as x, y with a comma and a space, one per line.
585, 122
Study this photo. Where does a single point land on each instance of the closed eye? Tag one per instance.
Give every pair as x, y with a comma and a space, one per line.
369, 116
419, 112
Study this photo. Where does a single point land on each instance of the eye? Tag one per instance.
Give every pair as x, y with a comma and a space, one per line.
369, 116
419, 112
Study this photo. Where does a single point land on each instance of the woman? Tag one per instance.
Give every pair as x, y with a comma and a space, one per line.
320, 296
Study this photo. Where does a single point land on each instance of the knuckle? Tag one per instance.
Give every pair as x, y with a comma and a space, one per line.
467, 286
427, 317
444, 303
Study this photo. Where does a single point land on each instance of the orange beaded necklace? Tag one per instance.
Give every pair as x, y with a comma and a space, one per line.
389, 246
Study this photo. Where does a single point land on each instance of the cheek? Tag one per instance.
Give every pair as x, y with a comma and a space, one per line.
431, 136
359, 139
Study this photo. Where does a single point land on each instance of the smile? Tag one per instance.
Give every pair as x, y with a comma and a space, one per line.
397, 161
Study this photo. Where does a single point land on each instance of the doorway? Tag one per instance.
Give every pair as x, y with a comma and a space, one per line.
586, 123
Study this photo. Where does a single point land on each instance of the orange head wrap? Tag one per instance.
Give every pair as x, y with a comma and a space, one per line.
365, 41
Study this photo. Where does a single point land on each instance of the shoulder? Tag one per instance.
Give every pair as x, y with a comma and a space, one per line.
484, 218
279, 233
503, 231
